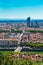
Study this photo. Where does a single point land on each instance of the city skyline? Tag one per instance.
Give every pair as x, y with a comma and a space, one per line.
21, 9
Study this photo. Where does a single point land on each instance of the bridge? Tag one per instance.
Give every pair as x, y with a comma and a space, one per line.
18, 49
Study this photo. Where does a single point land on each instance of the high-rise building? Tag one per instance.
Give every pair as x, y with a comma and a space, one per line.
36, 22
28, 22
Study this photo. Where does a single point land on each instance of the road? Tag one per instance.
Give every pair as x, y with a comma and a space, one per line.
18, 49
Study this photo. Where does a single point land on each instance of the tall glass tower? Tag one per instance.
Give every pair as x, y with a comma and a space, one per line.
28, 22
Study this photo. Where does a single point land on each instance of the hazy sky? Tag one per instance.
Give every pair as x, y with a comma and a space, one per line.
17, 9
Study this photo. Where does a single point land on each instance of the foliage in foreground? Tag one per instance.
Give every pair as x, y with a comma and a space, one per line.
5, 59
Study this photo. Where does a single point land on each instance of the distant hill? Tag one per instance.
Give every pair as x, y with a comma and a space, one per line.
12, 21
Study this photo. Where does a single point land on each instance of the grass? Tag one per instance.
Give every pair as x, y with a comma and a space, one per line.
6, 52
35, 52
29, 52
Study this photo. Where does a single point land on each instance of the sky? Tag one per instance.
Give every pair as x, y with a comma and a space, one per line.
21, 9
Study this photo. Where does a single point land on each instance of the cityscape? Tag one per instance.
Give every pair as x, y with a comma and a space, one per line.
21, 32
22, 38
13, 35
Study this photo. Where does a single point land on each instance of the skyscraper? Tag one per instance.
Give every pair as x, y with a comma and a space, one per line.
28, 22
36, 22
